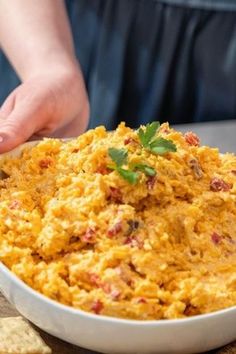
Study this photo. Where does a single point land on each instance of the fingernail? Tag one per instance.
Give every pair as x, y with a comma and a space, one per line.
1, 139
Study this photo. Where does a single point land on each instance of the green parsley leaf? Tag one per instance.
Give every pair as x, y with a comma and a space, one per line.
119, 156
157, 146
128, 175
160, 146
149, 133
141, 135
147, 170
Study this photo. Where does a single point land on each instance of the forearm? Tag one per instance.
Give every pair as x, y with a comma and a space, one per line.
35, 35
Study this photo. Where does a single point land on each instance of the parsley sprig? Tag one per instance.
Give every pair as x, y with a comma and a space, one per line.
146, 169
148, 139
120, 158
130, 174
159, 145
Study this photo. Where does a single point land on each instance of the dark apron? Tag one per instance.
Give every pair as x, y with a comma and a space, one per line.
147, 60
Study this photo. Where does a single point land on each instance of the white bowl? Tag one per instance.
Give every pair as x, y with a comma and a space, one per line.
119, 336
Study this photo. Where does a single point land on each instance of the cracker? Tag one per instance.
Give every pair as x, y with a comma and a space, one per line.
18, 337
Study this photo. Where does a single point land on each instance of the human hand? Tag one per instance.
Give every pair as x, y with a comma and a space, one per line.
52, 103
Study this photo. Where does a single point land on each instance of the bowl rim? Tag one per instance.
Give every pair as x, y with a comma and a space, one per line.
76, 311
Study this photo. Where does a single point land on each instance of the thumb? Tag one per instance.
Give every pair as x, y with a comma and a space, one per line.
18, 127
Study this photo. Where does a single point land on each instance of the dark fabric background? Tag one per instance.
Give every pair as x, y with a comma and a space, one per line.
148, 60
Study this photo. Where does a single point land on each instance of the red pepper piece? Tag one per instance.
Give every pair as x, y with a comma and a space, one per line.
103, 170
129, 140
15, 204
216, 238
97, 307
95, 279
45, 163
89, 236
192, 139
115, 195
151, 182
165, 131
134, 242
115, 294
141, 300
106, 287
218, 185
115, 229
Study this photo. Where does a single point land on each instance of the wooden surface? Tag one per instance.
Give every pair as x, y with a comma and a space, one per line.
57, 346
219, 134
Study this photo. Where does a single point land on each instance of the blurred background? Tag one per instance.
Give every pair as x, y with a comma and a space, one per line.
166, 60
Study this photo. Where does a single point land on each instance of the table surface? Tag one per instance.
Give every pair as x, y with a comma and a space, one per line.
220, 134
